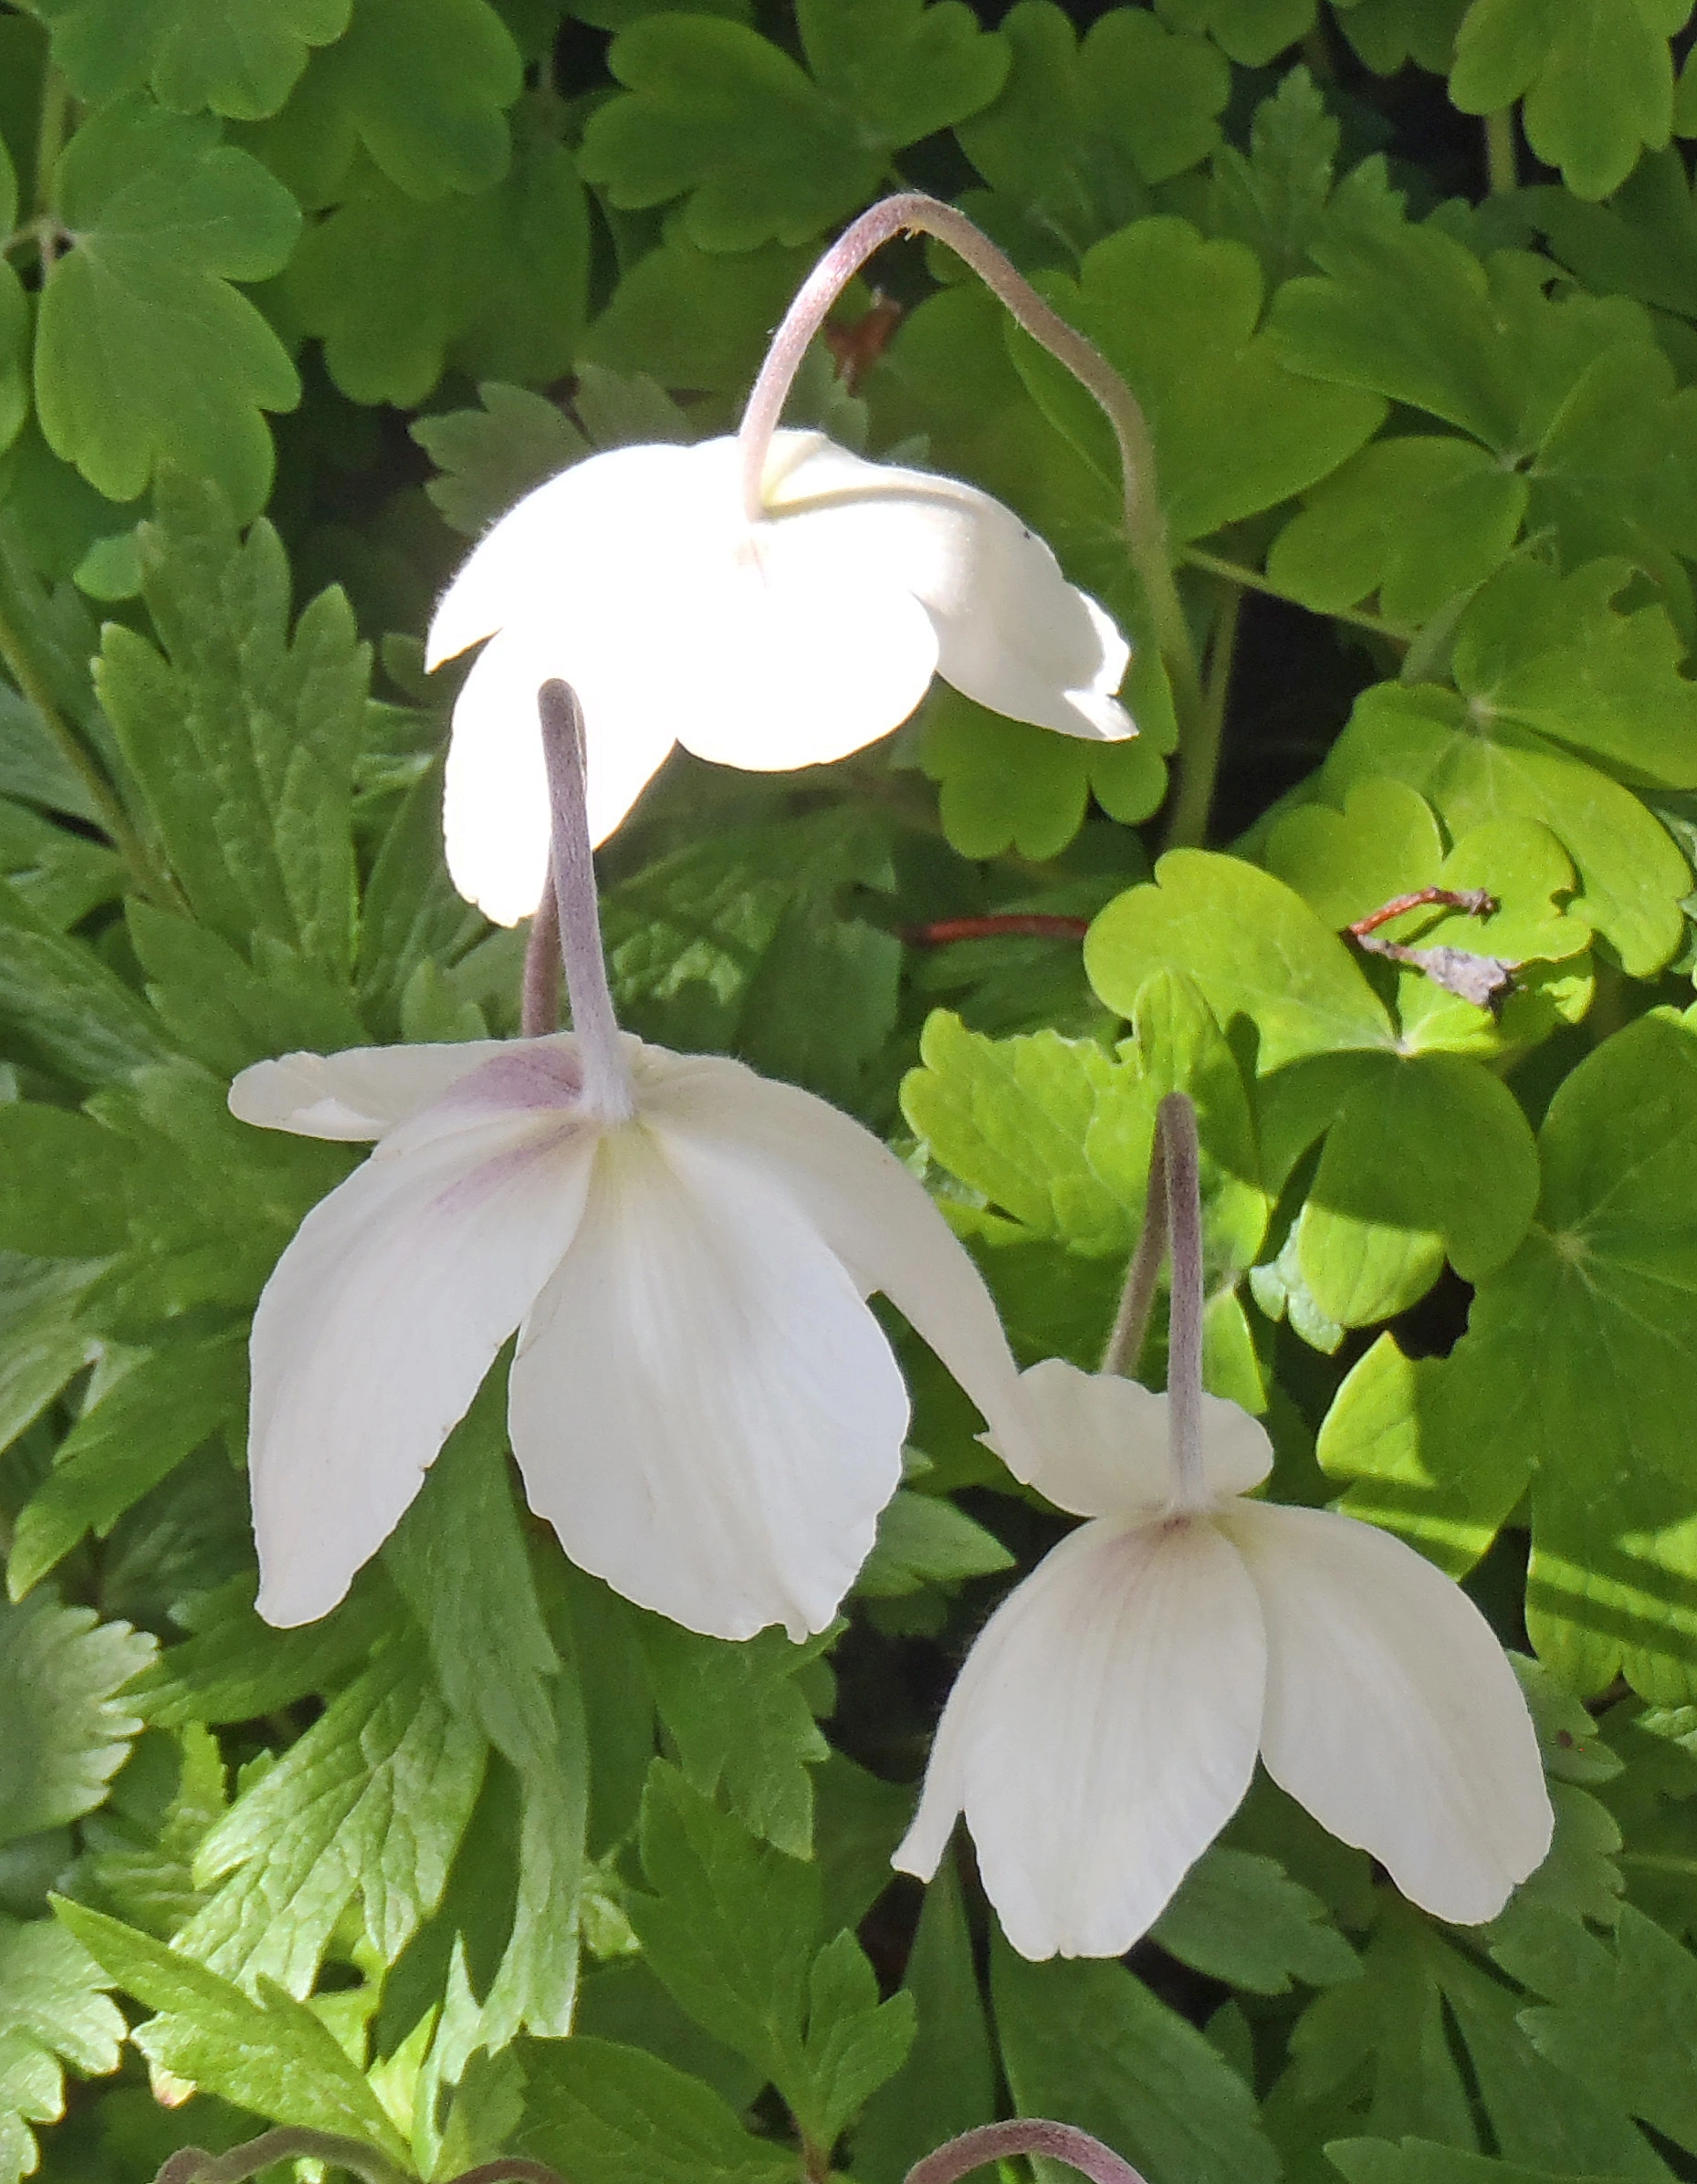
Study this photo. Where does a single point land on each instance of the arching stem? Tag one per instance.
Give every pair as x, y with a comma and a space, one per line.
607, 1095
539, 998
909, 213
1176, 1122
1028, 2135
1172, 1217
1131, 1322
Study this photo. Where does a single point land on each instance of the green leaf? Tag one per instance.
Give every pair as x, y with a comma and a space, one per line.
323, 1826
738, 1718
1275, 198
143, 1868
1430, 1157
226, 1013
726, 944
459, 1561
764, 151
731, 1929
854, 2041
143, 349
1241, 1918
53, 2010
1179, 317
62, 1722
1253, 947
1082, 126
143, 1426
62, 1183
1251, 31
1387, 33
242, 739
1570, 1383
234, 1667
1089, 2041
494, 284
1595, 78
488, 458
1420, 2161
42, 1343
1416, 521
1009, 1117
947, 2083
1386, 842
1555, 657
1618, 2017
674, 316
237, 56
271, 2055
923, 1538
1005, 785
425, 85
1474, 769
1408, 311
607, 2114
58, 874
61, 1006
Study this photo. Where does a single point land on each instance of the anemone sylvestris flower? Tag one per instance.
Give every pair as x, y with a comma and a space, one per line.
701, 1402
788, 640
1107, 1722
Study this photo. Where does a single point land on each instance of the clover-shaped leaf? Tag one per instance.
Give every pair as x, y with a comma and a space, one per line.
1595, 76
1416, 520
1472, 769
143, 348
1253, 946
1570, 1383
495, 283
1235, 430
1083, 126
764, 150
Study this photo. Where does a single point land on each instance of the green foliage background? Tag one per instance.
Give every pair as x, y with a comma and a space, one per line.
295, 297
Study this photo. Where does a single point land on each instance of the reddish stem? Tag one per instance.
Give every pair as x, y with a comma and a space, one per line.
1476, 900
1022, 926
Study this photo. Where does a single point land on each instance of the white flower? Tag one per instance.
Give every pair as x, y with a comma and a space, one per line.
701, 1404
1107, 1721
786, 642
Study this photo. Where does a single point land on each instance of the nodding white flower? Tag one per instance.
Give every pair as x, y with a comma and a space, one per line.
701, 1402
785, 640
1107, 1722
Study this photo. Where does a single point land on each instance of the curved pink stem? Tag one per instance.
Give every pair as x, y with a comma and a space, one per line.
1028, 2135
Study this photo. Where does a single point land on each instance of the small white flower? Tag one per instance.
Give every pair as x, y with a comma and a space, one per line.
1107, 1722
701, 1404
787, 641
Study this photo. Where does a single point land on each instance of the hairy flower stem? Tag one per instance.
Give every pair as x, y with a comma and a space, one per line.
192, 2164
538, 996
1030, 2135
1176, 1125
1172, 1216
1131, 1322
909, 213
607, 1093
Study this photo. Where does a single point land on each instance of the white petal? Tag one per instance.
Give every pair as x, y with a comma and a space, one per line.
1011, 632
358, 1093
1391, 1711
495, 803
607, 522
1101, 1734
378, 1325
872, 1212
702, 1406
1097, 1443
